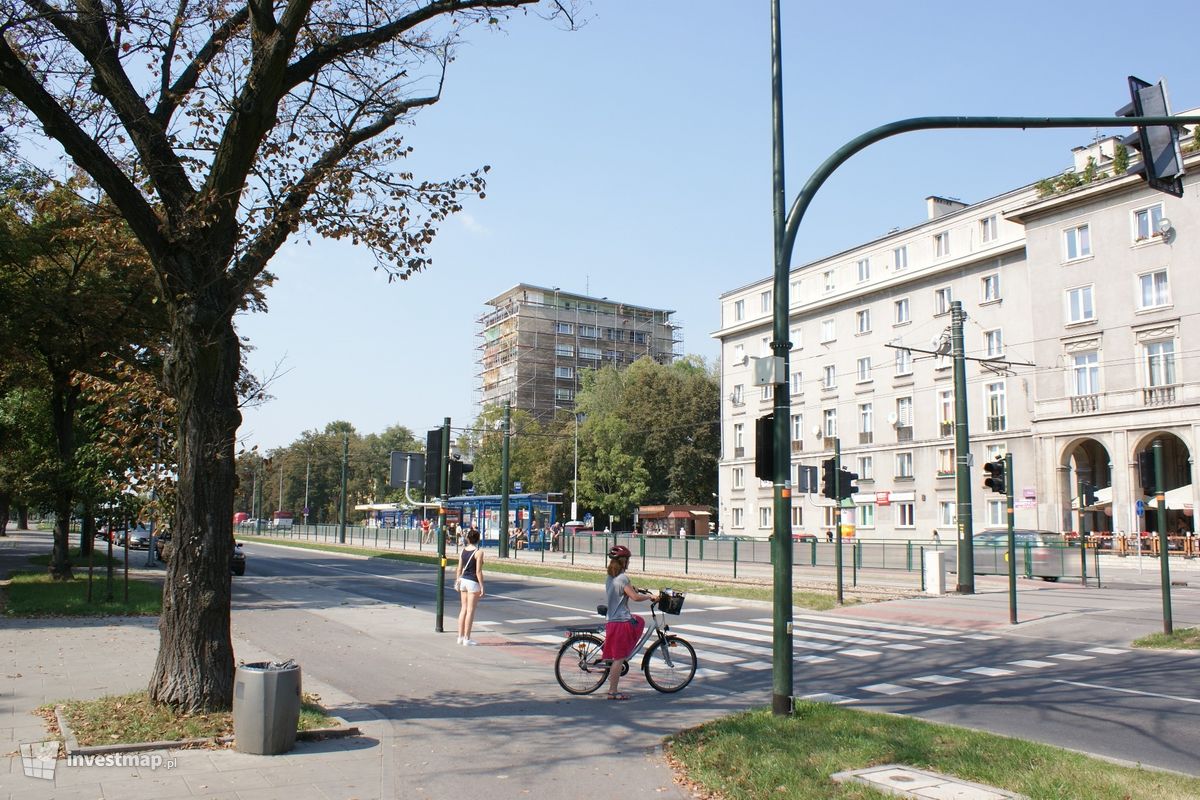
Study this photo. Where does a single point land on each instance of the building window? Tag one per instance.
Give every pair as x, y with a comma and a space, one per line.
767, 392
862, 321
828, 280
990, 285
1146, 222
941, 300
1154, 289
1160, 363
797, 516
1077, 243
904, 465
1086, 371
864, 269
738, 395
906, 516
864, 369
866, 468
764, 347
866, 515
592, 353
996, 514
614, 334
904, 412
764, 302
797, 339
735, 518
945, 412
1079, 305
830, 422
866, 423
739, 440
828, 331
993, 342
637, 337
941, 244
995, 451
904, 362
996, 405
564, 350
739, 477
564, 372
797, 433
945, 463
564, 328
565, 395
739, 353
947, 513
902, 315
797, 384
589, 331
764, 517
829, 377
987, 229
900, 258
739, 310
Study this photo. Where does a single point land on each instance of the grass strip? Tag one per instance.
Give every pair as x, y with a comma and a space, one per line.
79, 559
756, 755
37, 594
133, 718
816, 601
1181, 639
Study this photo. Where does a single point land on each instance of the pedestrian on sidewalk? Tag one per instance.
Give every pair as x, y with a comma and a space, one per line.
469, 583
937, 538
623, 630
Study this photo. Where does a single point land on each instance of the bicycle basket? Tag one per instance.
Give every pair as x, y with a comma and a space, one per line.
670, 601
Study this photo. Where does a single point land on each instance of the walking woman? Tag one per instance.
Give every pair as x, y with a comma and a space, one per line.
624, 630
470, 586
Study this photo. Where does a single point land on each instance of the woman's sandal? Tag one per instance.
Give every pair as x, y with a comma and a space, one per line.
617, 696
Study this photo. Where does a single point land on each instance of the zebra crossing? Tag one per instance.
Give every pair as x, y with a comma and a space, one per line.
733, 646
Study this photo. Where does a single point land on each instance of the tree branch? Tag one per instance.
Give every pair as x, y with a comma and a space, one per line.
169, 100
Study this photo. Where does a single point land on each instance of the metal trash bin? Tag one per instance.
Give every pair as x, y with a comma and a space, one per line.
266, 707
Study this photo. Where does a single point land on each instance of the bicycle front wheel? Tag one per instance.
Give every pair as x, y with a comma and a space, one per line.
668, 669
580, 667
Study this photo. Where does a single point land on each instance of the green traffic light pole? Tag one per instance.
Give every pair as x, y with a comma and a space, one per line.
785, 231
1012, 539
443, 488
502, 545
837, 515
1160, 499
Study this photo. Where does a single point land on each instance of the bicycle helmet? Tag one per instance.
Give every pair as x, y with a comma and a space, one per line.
619, 551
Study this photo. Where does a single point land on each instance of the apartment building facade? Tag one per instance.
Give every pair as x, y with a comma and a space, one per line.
1076, 362
537, 341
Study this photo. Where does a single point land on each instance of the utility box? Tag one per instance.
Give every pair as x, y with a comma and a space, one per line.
266, 707
935, 572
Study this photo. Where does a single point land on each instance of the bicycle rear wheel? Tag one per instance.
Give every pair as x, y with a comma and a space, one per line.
669, 669
580, 667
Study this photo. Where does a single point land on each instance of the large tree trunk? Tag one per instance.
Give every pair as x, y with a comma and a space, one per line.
63, 398
194, 669
5, 509
23, 516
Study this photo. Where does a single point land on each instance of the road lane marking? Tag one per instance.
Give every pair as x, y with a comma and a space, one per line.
989, 672
858, 653
1033, 663
826, 697
1071, 657
1130, 691
903, 646
887, 626
885, 688
547, 638
804, 632
756, 665
1107, 651
526, 621
940, 680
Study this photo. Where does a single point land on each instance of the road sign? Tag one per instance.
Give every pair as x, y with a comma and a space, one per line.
883, 498
1141, 508
453, 515
517, 487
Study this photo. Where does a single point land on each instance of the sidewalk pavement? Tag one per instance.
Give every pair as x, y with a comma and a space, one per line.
456, 712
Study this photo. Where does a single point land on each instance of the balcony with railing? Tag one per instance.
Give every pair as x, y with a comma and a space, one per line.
904, 433
1085, 403
1159, 395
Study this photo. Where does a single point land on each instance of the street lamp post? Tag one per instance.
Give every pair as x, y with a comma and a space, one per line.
575, 478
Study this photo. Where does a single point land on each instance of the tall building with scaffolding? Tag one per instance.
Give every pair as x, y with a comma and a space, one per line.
535, 343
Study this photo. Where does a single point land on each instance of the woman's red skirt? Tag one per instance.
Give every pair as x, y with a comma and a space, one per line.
621, 637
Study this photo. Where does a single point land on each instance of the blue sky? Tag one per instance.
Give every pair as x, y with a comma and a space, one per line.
632, 159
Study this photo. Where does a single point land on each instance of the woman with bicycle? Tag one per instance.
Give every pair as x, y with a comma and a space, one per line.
624, 629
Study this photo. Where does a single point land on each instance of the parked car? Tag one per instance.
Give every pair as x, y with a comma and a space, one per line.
237, 559
139, 538
1045, 549
803, 537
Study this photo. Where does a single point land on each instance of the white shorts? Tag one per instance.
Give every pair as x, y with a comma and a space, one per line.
467, 585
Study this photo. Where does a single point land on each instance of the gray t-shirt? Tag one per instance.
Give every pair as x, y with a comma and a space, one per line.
618, 601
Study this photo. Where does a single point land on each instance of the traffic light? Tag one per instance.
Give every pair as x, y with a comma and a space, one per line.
1162, 161
764, 448
829, 480
995, 476
1146, 472
458, 486
1087, 492
846, 487
433, 463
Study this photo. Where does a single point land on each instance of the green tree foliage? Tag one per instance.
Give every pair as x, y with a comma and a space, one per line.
528, 445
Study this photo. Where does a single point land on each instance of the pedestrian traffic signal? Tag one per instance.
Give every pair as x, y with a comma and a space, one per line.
458, 486
995, 479
829, 481
846, 486
764, 448
1088, 492
1162, 161
1146, 472
433, 463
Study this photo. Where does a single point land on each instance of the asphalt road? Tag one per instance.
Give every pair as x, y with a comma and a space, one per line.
368, 628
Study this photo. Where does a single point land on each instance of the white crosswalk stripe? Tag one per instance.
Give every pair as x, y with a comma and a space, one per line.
826, 697
546, 638
1107, 651
989, 672
887, 626
858, 653
1032, 663
1071, 657
808, 633
886, 688
940, 680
